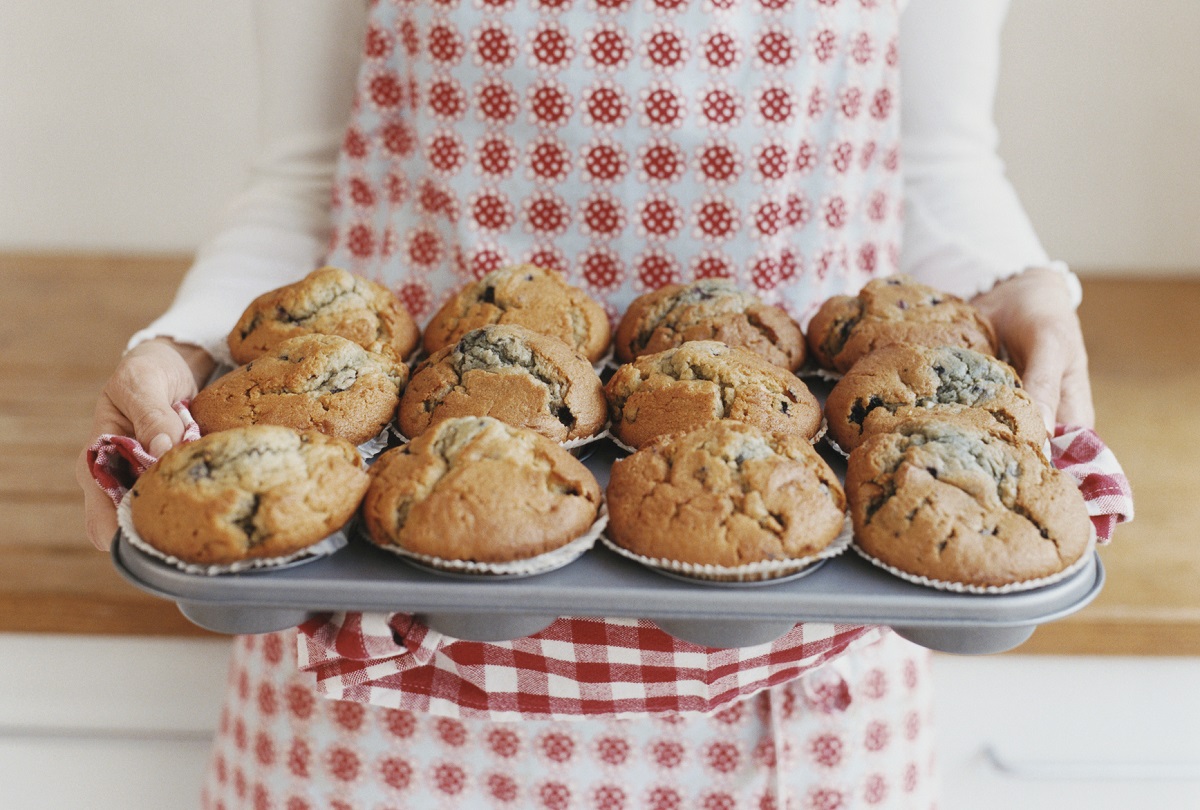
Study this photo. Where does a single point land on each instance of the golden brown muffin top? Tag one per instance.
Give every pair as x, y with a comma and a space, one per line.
329, 301
524, 295
726, 494
961, 504
477, 489
896, 309
512, 373
906, 381
703, 381
711, 309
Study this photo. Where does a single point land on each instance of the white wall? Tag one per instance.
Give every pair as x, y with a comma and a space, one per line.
1099, 113
125, 124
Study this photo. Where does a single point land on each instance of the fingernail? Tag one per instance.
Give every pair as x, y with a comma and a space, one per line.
160, 444
1048, 418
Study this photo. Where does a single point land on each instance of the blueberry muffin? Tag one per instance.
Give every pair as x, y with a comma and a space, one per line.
318, 382
529, 296
248, 493
511, 373
475, 489
328, 301
726, 494
713, 309
907, 381
894, 310
961, 504
704, 381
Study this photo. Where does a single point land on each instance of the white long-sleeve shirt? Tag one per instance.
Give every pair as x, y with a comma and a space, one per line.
964, 228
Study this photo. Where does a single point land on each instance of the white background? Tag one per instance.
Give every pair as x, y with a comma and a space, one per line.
124, 125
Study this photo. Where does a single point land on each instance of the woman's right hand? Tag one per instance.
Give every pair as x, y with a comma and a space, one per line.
137, 401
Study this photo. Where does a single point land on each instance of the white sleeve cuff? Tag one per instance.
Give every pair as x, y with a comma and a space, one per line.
233, 270
1074, 287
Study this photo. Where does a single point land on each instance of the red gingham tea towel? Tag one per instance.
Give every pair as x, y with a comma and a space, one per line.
1080, 454
580, 667
576, 667
117, 461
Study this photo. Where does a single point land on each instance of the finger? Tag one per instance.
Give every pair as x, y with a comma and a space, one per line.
145, 401
1075, 407
99, 514
155, 425
1042, 377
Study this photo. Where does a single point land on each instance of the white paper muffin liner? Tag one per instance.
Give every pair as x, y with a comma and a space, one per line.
373, 447
541, 564
322, 548
811, 370
627, 448
832, 444
963, 587
750, 573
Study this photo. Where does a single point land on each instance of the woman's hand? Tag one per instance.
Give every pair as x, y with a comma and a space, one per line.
1036, 321
137, 401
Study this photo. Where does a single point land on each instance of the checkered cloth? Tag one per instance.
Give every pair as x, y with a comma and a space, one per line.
117, 461
576, 667
586, 667
1080, 454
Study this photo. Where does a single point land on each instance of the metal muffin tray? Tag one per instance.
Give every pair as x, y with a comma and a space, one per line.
843, 590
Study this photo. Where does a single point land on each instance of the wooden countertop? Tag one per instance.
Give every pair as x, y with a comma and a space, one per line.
69, 317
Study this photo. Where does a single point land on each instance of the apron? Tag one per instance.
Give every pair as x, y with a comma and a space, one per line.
628, 144
855, 733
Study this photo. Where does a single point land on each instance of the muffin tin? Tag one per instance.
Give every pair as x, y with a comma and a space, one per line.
843, 590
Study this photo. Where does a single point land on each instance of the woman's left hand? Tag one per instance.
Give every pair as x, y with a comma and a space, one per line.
1035, 320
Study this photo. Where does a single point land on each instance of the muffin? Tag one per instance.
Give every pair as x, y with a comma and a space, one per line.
966, 505
255, 492
510, 373
328, 301
476, 489
317, 382
894, 310
712, 309
704, 381
529, 296
726, 494
906, 381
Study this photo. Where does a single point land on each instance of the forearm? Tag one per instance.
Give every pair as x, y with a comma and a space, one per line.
964, 226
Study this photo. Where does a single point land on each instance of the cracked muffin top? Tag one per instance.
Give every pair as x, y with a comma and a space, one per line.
890, 310
703, 381
249, 493
513, 374
479, 490
961, 504
524, 295
318, 382
712, 309
906, 381
726, 494
328, 301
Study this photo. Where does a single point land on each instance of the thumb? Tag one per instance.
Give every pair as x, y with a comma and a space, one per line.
156, 426
1042, 377
144, 391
